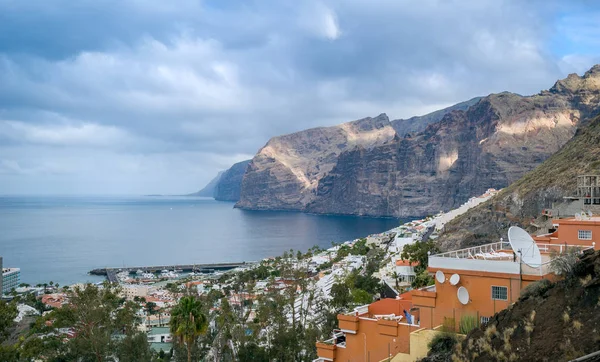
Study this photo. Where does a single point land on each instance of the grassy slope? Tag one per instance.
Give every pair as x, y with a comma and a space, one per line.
524, 199
550, 322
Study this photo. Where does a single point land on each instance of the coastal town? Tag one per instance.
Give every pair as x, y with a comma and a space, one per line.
370, 299
159, 291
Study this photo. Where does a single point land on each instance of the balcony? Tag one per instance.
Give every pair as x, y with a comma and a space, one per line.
326, 349
348, 323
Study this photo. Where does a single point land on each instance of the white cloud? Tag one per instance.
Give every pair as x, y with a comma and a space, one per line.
83, 134
320, 20
167, 95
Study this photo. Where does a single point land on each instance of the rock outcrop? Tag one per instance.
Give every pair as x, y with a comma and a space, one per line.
365, 168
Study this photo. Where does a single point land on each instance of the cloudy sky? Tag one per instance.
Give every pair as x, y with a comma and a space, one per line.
143, 96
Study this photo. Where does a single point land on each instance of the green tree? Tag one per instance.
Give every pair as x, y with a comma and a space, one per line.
422, 279
360, 247
8, 312
151, 308
360, 296
96, 315
419, 252
396, 277
251, 352
188, 322
134, 348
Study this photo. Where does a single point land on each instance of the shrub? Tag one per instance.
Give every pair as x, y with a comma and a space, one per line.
564, 264
449, 325
442, 342
536, 289
467, 324
422, 279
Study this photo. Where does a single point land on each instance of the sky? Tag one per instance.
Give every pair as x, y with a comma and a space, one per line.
155, 97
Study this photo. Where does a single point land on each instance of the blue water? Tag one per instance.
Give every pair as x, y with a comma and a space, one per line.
62, 238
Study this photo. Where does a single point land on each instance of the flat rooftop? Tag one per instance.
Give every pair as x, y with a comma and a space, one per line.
496, 258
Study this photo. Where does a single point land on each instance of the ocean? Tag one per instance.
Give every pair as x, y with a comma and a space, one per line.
61, 238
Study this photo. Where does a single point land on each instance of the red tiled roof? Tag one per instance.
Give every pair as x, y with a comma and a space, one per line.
401, 262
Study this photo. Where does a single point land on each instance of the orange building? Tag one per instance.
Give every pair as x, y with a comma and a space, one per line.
583, 230
471, 284
371, 333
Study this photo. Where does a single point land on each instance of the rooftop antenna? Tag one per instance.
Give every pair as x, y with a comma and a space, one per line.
440, 277
454, 279
463, 295
522, 243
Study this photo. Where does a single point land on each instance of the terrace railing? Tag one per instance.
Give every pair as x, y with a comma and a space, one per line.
471, 252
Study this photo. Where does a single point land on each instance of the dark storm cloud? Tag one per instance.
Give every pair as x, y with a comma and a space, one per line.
163, 94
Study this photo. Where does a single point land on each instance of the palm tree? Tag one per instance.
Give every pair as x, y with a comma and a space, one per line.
396, 277
188, 322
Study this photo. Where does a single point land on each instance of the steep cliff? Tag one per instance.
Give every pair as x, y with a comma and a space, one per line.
229, 185
370, 170
524, 200
226, 185
286, 172
418, 124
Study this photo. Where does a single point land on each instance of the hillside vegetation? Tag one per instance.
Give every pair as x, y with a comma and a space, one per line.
550, 322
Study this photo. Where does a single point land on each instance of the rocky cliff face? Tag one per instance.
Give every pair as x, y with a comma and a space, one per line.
418, 124
230, 183
365, 168
285, 174
524, 200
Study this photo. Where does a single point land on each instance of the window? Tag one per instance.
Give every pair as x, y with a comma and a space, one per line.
584, 234
499, 293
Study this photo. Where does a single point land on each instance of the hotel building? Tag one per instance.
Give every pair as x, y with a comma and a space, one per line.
11, 278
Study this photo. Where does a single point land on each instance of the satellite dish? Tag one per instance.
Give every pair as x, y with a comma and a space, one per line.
463, 295
454, 279
590, 213
440, 277
524, 246
577, 216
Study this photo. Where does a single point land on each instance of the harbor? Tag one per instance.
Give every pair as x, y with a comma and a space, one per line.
111, 273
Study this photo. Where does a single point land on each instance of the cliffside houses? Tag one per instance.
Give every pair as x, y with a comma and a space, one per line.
471, 285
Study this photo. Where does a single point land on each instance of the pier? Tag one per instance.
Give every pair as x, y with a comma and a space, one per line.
111, 273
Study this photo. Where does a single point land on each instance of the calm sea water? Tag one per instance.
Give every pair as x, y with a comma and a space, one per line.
62, 238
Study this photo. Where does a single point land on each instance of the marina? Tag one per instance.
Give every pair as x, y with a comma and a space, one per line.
111, 273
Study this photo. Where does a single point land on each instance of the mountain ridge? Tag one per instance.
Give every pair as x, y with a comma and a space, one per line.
366, 168
523, 200
418, 124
